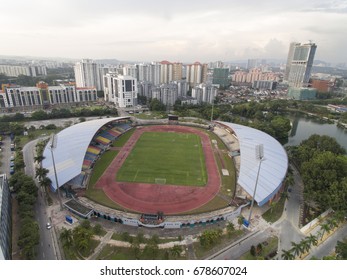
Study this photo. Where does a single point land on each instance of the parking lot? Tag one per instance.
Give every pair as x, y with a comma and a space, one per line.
5, 156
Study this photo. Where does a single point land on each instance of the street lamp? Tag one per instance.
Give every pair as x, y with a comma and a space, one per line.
259, 155
52, 145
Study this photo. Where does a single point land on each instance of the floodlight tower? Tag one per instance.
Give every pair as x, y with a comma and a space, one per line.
259, 155
52, 145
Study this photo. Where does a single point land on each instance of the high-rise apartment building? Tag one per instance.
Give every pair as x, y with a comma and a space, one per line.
252, 63
299, 64
196, 73
87, 74
27, 70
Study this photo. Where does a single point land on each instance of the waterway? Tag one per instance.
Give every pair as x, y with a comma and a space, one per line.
303, 127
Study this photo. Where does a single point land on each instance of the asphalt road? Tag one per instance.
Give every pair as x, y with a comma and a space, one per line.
45, 248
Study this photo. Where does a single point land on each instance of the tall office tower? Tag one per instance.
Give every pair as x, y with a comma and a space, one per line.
5, 219
87, 74
289, 59
120, 90
221, 77
300, 61
196, 73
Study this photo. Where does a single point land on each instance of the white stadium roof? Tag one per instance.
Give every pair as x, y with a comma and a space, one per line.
73, 142
273, 167
71, 147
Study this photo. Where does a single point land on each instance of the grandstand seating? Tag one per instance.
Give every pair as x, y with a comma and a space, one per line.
102, 140
123, 126
87, 164
94, 150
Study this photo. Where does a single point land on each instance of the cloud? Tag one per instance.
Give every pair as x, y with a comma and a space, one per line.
177, 30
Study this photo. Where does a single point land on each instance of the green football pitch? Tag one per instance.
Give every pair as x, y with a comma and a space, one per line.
165, 158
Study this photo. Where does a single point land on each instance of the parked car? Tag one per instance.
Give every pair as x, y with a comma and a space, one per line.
12, 170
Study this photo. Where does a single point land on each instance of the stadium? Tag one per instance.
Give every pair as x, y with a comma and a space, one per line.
163, 173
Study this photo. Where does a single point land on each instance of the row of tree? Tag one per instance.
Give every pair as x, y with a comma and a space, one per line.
79, 239
304, 246
26, 194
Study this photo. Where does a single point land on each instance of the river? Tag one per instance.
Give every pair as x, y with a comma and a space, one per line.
303, 128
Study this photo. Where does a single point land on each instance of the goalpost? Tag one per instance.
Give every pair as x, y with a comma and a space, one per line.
160, 181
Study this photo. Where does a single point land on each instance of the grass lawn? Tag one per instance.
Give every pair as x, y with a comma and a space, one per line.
268, 247
176, 157
98, 195
275, 211
123, 138
225, 240
38, 133
216, 203
110, 252
150, 115
101, 165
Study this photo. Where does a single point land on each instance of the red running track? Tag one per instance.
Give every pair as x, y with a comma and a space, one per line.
151, 198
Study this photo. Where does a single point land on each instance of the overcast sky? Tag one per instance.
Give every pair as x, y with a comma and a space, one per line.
176, 30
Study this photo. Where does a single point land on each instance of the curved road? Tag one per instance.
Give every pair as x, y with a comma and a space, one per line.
45, 249
286, 228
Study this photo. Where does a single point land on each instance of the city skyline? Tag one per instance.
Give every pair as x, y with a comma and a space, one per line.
182, 31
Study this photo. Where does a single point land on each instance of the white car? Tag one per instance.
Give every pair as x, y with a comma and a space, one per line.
48, 226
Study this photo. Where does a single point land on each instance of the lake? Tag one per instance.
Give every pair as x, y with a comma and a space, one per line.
303, 128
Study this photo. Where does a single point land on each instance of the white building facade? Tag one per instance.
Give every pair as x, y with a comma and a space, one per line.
120, 90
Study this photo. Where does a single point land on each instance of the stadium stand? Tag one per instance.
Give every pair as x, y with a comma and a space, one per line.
94, 150
102, 140
87, 164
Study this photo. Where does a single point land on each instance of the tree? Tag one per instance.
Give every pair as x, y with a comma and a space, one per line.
156, 105
287, 255
210, 237
151, 251
28, 238
230, 229
312, 239
97, 229
273, 205
66, 238
281, 126
39, 158
41, 173
82, 237
259, 249
341, 250
240, 221
46, 182
297, 248
306, 245
322, 176
175, 251
253, 251
135, 248
332, 223
324, 228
